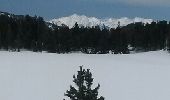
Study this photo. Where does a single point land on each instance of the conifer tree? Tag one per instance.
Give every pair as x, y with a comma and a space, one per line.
83, 90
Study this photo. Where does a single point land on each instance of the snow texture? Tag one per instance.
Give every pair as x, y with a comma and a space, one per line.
83, 20
46, 76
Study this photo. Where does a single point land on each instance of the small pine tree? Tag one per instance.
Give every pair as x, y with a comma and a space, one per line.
84, 91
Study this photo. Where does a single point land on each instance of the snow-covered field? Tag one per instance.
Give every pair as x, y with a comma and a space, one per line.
46, 76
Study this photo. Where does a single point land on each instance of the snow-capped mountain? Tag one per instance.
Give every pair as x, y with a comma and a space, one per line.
83, 20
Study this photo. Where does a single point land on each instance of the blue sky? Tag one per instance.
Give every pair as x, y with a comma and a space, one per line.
155, 9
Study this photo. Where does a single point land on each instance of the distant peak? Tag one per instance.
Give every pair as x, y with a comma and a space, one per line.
75, 15
86, 21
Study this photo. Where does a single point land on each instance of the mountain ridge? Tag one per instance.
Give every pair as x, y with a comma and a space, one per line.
86, 21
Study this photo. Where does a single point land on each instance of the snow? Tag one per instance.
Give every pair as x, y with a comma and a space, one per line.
1, 13
46, 76
83, 20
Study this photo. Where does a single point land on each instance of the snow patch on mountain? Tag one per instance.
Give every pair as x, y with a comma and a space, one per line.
83, 20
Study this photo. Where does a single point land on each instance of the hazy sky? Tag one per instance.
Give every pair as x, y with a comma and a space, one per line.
156, 9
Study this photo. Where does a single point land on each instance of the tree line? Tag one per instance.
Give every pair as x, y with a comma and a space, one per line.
33, 33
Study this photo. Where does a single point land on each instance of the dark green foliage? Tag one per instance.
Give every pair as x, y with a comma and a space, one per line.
33, 33
83, 90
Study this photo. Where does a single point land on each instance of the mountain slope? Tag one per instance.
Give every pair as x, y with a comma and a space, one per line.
83, 20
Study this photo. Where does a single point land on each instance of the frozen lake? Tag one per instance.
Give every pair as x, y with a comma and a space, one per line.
46, 76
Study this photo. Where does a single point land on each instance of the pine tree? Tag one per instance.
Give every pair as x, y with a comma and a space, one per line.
84, 91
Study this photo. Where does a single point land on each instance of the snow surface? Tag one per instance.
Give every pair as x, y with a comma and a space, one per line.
46, 76
83, 20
